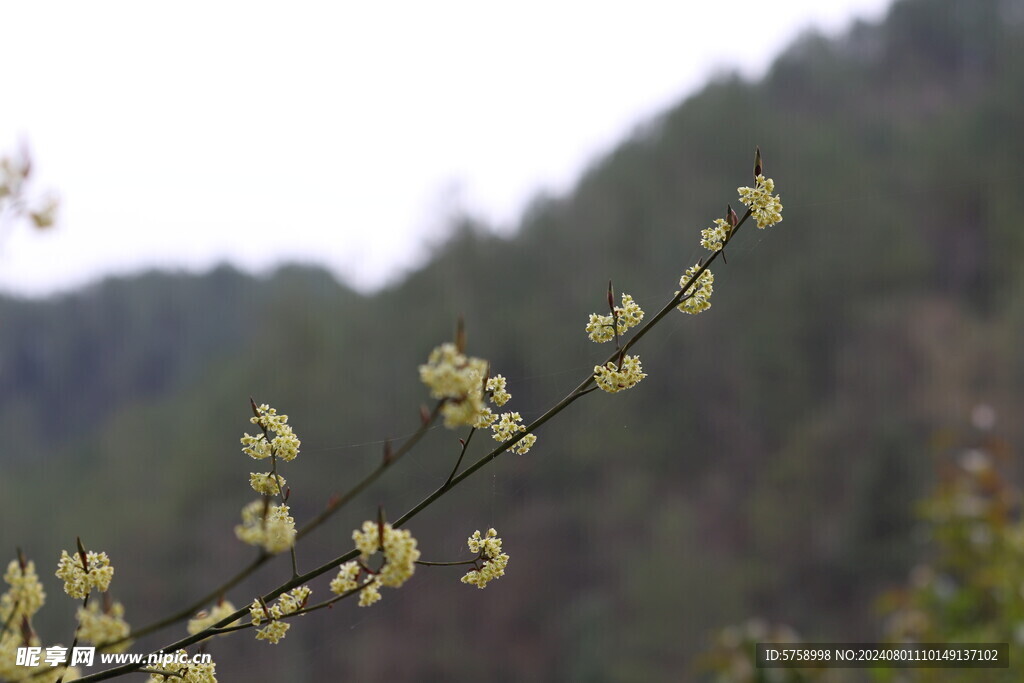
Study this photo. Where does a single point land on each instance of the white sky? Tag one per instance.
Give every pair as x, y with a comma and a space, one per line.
188, 133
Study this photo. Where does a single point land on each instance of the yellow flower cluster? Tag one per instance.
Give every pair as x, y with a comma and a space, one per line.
78, 580
495, 561
184, 673
274, 531
496, 387
25, 596
97, 626
288, 603
458, 380
699, 293
203, 620
765, 209
273, 632
523, 446
266, 483
285, 445
400, 553
268, 526
507, 426
348, 580
370, 593
713, 238
611, 378
601, 328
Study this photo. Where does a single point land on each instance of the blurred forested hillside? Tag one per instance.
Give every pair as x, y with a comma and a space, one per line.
768, 465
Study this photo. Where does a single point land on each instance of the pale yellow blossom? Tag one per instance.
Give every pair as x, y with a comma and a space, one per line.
765, 209
370, 593
287, 603
400, 552
523, 446
205, 619
273, 632
484, 419
284, 445
499, 395
713, 238
495, 561
612, 378
347, 578
458, 380
507, 426
602, 328
275, 533
103, 626
24, 597
78, 580
698, 295
267, 483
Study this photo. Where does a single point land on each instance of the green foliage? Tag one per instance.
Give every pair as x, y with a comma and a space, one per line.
969, 589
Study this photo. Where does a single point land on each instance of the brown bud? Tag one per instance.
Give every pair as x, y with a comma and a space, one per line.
732, 217
26, 159
41, 219
460, 335
82, 553
757, 162
424, 414
611, 298
255, 408
380, 526
27, 634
